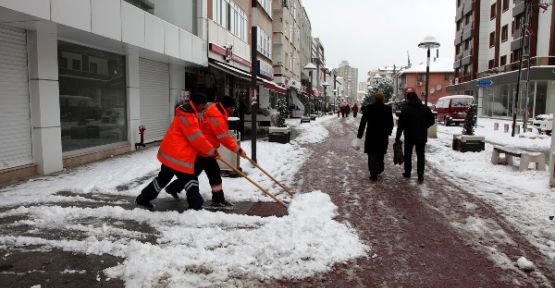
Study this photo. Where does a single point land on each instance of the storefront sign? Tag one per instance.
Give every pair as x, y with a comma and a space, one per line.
265, 69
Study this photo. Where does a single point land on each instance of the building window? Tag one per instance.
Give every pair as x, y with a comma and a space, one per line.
264, 43
238, 21
503, 60
491, 63
492, 11
505, 5
267, 5
492, 39
459, 25
92, 103
467, 19
457, 49
459, 3
76, 64
504, 33
178, 12
466, 44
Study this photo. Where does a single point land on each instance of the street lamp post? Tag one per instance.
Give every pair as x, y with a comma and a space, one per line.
428, 43
325, 84
310, 67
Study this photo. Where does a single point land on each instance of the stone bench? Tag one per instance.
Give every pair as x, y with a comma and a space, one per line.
526, 157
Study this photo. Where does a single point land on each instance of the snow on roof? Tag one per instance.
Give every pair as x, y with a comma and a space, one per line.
439, 65
456, 96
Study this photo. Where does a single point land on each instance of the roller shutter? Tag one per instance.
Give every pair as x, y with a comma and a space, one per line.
15, 123
155, 98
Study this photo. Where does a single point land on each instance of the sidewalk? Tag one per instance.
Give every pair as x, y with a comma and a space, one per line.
466, 226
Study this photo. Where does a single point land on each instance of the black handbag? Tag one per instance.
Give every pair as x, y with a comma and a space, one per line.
398, 152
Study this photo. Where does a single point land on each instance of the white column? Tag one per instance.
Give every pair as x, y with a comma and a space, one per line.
202, 20
133, 96
177, 84
45, 98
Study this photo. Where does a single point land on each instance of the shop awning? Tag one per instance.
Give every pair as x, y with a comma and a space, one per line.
230, 70
247, 76
273, 86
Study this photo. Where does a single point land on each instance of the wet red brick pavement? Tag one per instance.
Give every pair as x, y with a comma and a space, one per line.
409, 226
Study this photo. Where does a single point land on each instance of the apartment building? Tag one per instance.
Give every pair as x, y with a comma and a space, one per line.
441, 76
286, 57
78, 77
489, 43
350, 78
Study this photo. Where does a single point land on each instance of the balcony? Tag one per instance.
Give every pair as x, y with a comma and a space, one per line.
534, 62
457, 64
467, 34
467, 6
466, 60
459, 14
516, 44
518, 9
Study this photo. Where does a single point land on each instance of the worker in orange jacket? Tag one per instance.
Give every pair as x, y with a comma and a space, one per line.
178, 151
214, 126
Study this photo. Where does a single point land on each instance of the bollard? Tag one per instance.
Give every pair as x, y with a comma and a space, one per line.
495, 126
506, 128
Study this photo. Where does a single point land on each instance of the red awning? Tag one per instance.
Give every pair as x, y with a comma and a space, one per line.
273, 86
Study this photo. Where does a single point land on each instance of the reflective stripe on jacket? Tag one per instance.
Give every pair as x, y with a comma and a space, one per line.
183, 141
214, 127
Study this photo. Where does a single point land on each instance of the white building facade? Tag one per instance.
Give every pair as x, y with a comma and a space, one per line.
79, 77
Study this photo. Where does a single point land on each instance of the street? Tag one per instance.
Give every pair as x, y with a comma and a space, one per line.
436, 234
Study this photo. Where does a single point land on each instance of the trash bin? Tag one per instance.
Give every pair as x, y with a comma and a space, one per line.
228, 155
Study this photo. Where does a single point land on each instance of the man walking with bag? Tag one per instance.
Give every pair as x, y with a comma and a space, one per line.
379, 119
414, 121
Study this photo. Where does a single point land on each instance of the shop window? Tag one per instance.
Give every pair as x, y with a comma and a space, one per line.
93, 100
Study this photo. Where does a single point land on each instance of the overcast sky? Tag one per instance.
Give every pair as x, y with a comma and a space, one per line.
372, 33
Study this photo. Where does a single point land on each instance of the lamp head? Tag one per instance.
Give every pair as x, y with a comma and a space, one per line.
310, 67
429, 43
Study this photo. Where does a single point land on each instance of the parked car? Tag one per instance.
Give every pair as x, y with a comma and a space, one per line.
452, 109
544, 123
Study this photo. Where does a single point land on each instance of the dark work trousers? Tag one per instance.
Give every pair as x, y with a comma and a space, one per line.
206, 164
151, 191
375, 163
420, 160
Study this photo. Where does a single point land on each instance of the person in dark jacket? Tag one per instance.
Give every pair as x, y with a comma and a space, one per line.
414, 121
379, 121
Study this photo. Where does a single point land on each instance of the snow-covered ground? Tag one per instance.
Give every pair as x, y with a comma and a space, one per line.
201, 248
524, 198
194, 248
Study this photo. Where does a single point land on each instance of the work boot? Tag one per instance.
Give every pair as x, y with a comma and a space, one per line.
173, 191
144, 204
218, 201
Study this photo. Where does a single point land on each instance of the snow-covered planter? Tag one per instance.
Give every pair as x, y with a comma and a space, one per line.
279, 134
465, 143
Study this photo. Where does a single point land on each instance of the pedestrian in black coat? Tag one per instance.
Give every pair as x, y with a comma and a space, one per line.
378, 120
414, 121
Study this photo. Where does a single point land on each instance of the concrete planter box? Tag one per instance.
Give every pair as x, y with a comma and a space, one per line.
279, 134
466, 143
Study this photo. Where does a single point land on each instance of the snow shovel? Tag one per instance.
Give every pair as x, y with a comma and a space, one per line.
252, 181
268, 174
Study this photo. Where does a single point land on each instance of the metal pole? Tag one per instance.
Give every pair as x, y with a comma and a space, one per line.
254, 96
522, 35
527, 102
334, 92
310, 93
427, 77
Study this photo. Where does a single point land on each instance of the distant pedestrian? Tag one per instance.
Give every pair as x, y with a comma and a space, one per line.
214, 126
379, 121
414, 121
178, 151
355, 110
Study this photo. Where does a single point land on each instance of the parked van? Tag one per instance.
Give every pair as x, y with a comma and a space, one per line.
452, 109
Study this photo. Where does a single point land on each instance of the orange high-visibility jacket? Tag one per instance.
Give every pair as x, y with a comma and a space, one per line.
184, 140
214, 126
